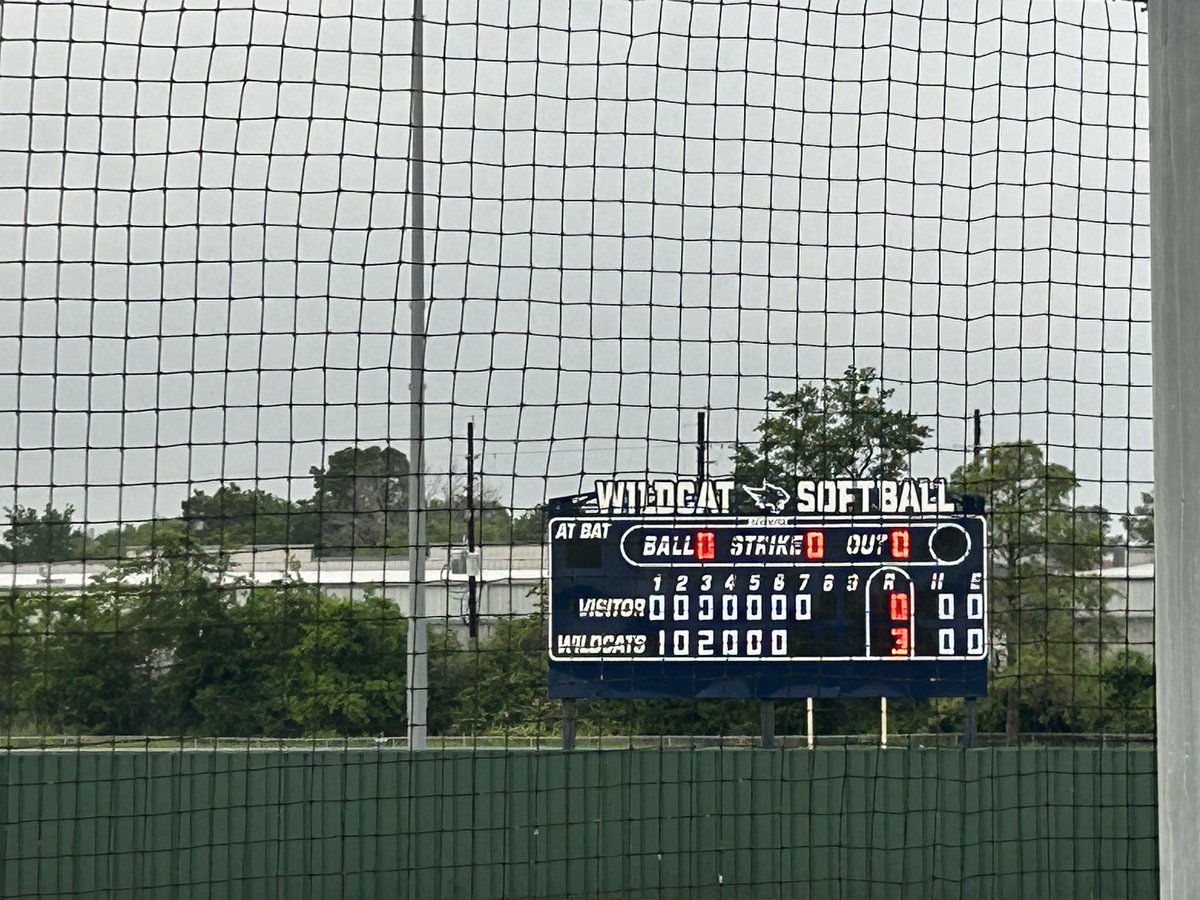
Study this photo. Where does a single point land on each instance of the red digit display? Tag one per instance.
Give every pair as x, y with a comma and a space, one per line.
706, 545
901, 542
814, 544
900, 648
899, 607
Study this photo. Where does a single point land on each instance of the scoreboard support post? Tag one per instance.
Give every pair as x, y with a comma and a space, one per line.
766, 720
568, 722
970, 723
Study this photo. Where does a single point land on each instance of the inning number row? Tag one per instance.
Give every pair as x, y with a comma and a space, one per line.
756, 582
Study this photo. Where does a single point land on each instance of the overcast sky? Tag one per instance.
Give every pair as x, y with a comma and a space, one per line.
637, 210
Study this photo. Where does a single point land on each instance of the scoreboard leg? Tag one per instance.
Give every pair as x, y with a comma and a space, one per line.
970, 723
766, 719
568, 720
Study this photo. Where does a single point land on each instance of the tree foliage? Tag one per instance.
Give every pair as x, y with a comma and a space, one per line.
530, 526
48, 536
232, 516
447, 519
842, 428
170, 642
361, 499
1049, 622
130, 538
1139, 524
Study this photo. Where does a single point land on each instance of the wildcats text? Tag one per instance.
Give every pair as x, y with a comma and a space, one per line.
675, 497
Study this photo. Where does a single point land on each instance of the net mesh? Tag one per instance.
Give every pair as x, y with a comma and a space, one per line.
861, 241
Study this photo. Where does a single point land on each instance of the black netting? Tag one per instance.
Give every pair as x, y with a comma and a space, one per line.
756, 243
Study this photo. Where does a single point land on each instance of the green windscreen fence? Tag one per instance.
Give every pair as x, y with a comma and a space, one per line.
843, 307
762, 823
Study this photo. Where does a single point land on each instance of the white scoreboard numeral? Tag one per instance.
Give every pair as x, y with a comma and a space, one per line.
657, 607
804, 606
704, 604
680, 643
754, 606
974, 641
946, 641
974, 606
945, 606
729, 643
754, 643
779, 606
729, 607
704, 643
681, 607
778, 643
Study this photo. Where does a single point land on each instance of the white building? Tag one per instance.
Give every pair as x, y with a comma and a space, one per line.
1129, 575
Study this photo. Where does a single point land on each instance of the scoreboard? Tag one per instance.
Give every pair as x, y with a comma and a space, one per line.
768, 606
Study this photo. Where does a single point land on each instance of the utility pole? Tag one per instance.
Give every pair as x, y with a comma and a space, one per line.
1175, 323
417, 694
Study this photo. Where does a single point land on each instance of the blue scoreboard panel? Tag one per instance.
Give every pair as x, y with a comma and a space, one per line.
726, 606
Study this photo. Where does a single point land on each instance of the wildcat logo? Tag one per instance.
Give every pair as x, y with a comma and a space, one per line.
769, 498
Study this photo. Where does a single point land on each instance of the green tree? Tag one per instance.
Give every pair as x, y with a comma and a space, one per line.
49, 536
530, 526
1048, 622
361, 499
91, 673
20, 617
232, 517
125, 657
841, 428
1139, 524
131, 538
253, 695
506, 687
1127, 681
346, 672
838, 429
447, 519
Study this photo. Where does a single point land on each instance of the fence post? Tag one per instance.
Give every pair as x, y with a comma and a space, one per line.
1175, 320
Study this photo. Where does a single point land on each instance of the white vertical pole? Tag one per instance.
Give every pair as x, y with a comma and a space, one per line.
812, 737
418, 651
883, 721
1175, 315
